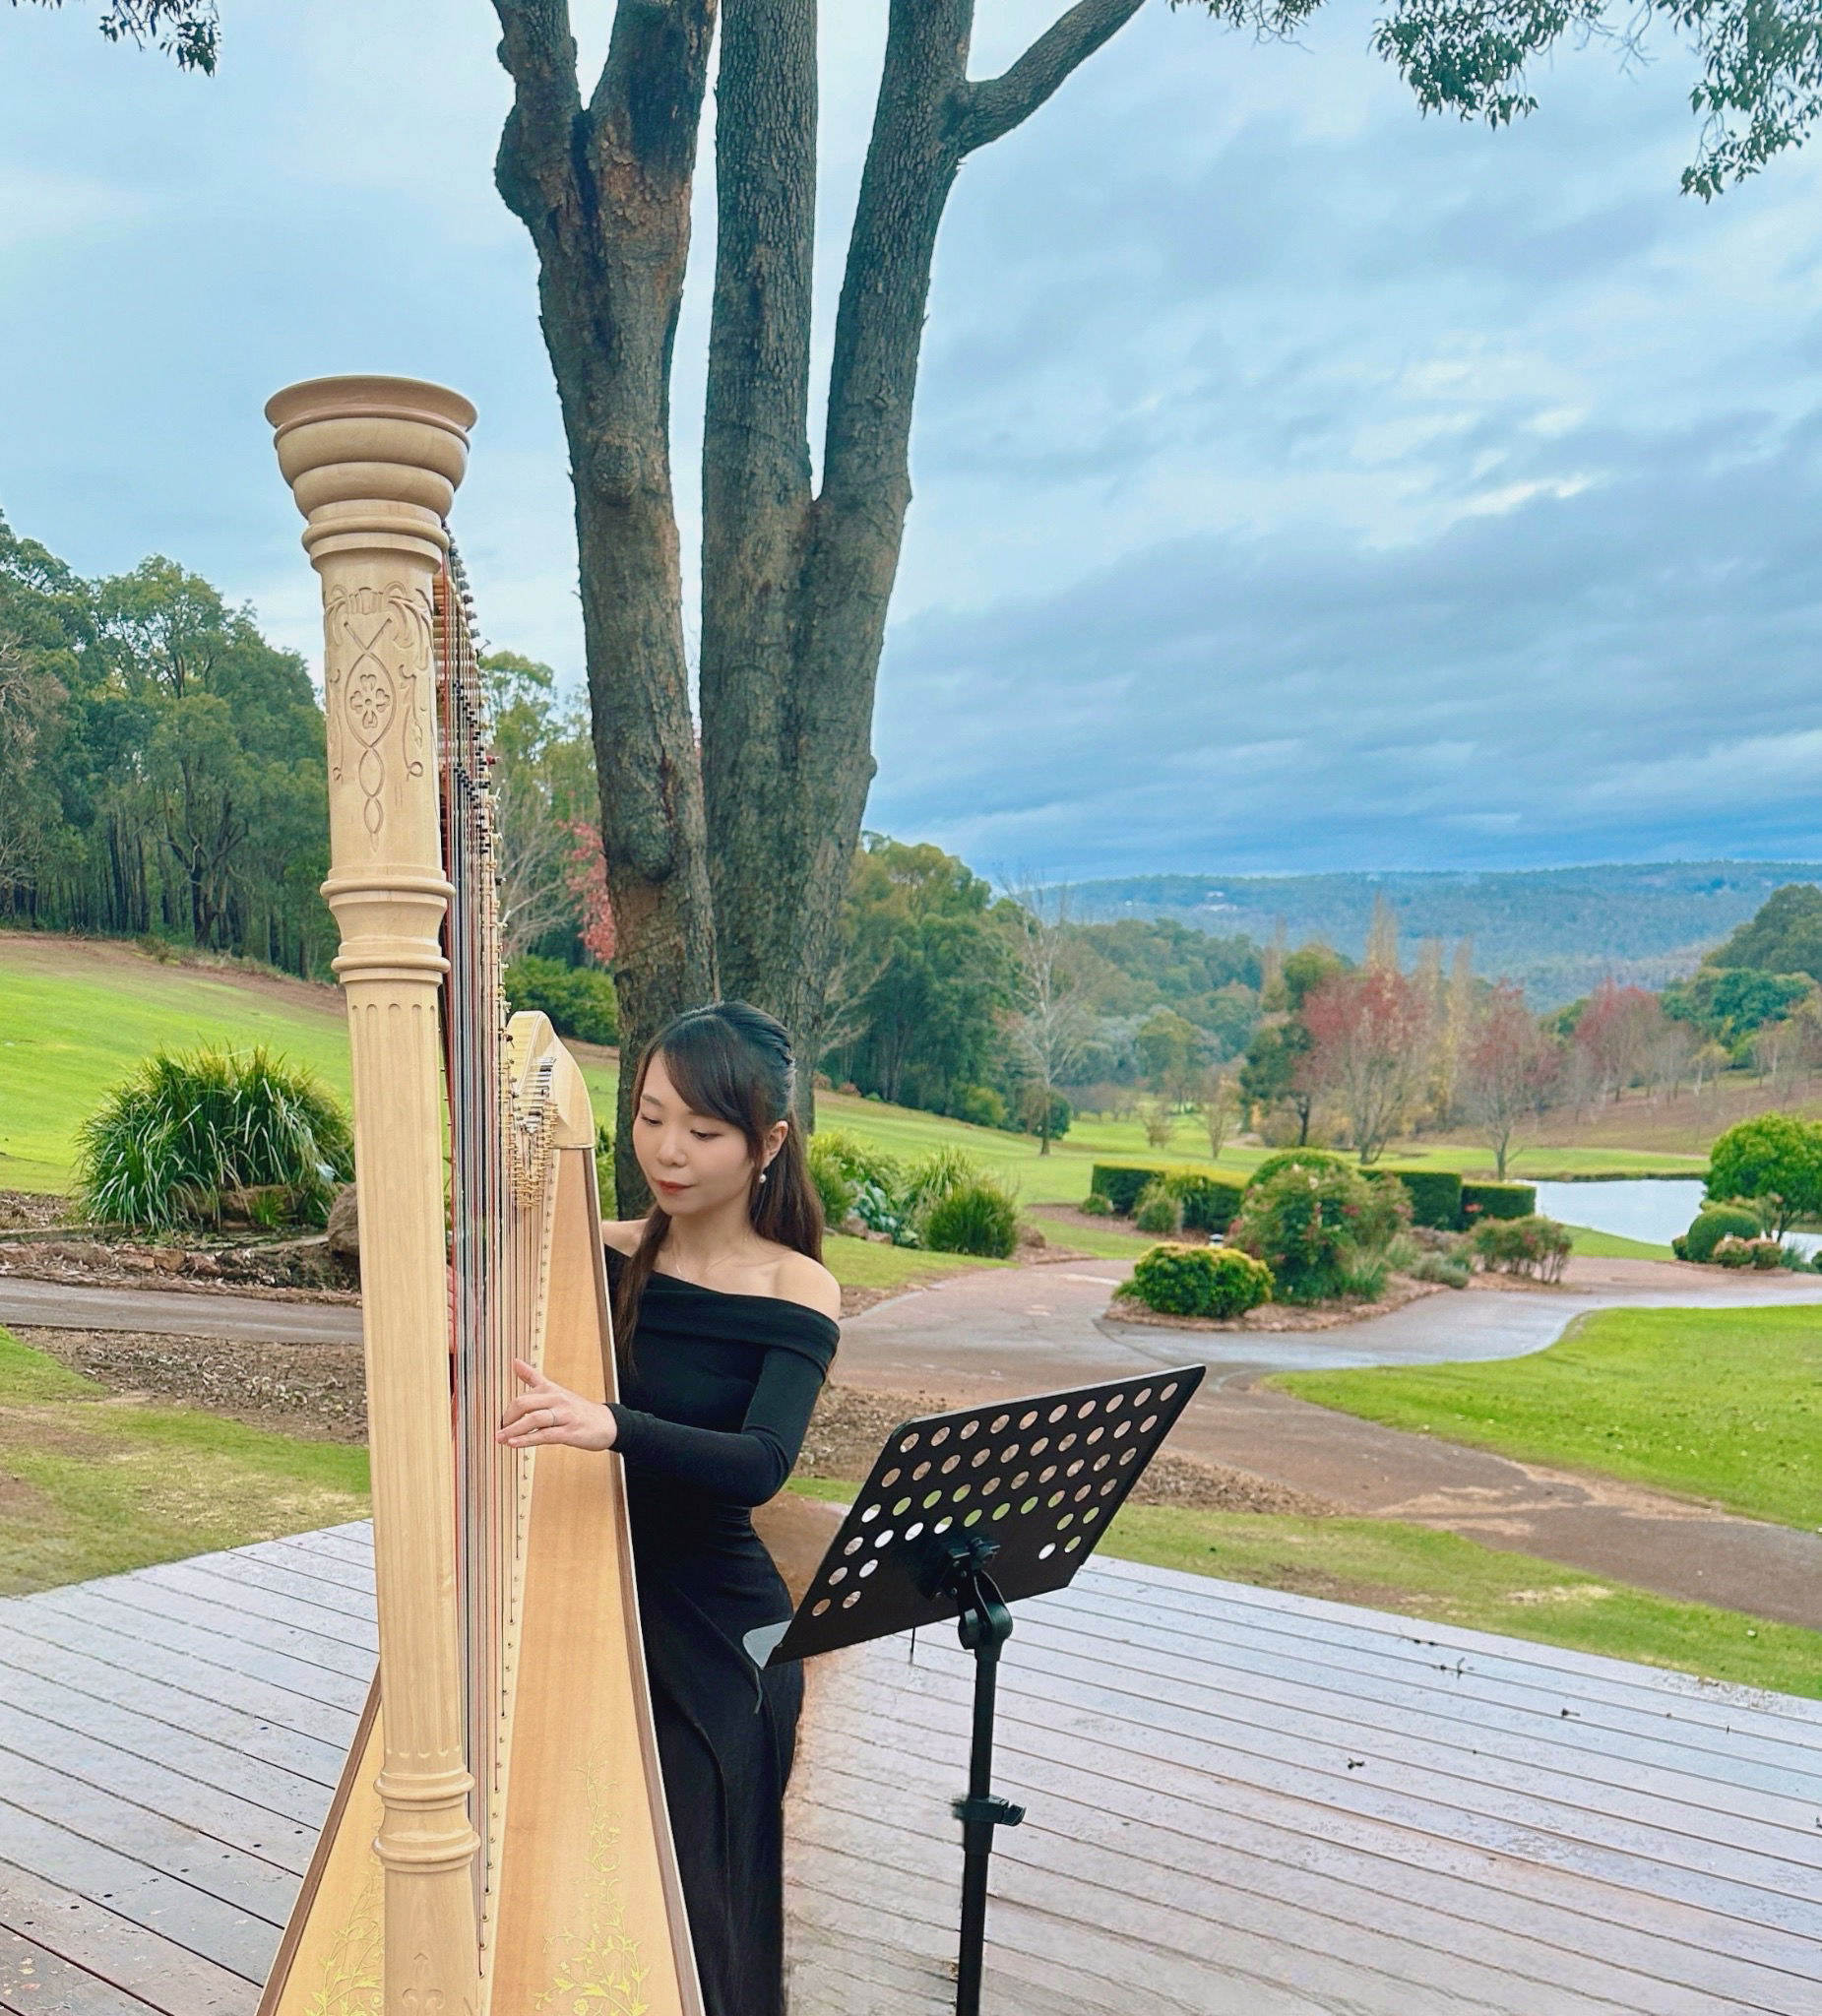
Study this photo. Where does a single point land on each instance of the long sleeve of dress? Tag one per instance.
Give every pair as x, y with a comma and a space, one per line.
744, 1466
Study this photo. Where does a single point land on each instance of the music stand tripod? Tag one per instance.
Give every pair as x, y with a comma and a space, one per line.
1028, 1485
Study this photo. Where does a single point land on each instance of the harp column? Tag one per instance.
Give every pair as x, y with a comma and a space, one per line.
373, 463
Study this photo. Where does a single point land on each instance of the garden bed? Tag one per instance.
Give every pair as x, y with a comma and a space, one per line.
1399, 1290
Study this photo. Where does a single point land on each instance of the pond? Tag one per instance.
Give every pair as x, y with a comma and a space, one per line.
1654, 1211
1638, 1209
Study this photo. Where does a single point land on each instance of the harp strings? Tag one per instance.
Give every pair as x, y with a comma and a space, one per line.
491, 1278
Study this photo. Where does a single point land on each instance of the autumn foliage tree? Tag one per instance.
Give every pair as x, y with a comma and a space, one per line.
1372, 1033
1506, 1072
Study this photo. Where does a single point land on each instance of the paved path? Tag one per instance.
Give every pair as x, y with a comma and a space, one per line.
1021, 1330
175, 1312
1018, 1332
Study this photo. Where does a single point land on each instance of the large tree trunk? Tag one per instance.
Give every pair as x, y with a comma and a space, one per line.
604, 191
796, 585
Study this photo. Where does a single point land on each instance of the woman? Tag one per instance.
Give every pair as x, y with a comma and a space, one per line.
725, 1320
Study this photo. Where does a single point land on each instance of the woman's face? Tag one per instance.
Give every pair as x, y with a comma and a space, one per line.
694, 1162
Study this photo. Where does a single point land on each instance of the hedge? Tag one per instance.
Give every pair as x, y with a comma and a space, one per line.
1209, 1201
1120, 1182
1435, 1195
1481, 1201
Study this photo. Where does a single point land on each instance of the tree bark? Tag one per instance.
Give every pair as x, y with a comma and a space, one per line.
735, 865
604, 192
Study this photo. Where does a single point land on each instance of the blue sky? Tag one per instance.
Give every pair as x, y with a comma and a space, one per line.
1299, 483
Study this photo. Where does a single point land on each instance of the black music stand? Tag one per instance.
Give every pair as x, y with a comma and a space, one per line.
1027, 1485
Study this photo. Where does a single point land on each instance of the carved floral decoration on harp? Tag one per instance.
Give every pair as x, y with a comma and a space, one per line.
602, 1968
378, 649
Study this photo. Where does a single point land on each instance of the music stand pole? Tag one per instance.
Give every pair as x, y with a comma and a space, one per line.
1028, 1484
984, 1625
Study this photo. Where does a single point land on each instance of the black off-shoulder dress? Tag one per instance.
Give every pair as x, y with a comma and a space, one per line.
712, 1415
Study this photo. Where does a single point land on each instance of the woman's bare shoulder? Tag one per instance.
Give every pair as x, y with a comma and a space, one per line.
799, 1278
623, 1234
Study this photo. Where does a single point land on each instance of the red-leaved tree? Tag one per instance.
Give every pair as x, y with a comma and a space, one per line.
1508, 1070
1617, 1034
1372, 1032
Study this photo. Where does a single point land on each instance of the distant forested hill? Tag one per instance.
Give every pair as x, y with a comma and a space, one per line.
1558, 930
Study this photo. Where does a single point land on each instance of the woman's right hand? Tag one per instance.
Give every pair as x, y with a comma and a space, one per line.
548, 1413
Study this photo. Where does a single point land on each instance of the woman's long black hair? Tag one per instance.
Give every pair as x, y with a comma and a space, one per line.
733, 1061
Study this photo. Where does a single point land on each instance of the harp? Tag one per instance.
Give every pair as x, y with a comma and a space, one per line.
498, 1841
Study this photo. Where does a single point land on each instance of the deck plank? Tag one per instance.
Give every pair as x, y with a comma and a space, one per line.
1241, 1804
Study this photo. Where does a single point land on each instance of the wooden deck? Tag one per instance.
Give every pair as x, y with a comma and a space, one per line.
1239, 1802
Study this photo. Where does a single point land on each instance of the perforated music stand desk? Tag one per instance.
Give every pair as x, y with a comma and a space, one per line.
1026, 1485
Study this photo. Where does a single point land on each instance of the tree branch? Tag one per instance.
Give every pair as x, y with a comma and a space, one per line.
991, 109
532, 169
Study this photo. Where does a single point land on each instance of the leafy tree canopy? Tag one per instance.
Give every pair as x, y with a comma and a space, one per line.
187, 30
1759, 91
1784, 937
1777, 1160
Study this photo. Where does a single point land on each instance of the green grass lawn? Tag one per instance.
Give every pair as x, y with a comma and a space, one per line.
95, 1484
74, 1020
75, 1017
1383, 1564
1594, 1246
1716, 1403
865, 1263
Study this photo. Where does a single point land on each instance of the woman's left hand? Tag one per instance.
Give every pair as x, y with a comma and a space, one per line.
548, 1413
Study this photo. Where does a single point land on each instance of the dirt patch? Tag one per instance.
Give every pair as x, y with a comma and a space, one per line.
315, 1390
318, 1390
30, 1210
1280, 1315
850, 1422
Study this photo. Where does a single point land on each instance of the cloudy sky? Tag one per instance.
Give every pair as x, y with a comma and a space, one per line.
1299, 483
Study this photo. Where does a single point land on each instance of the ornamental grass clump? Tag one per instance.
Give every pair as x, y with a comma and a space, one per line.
977, 1215
1321, 1229
1217, 1282
1158, 1210
189, 1128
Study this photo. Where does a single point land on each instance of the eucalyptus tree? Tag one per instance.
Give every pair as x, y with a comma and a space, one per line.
728, 840
186, 31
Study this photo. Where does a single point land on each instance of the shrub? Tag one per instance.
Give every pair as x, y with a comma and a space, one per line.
1094, 1205
1364, 1279
1435, 1195
1299, 1158
1534, 1247
1312, 1224
1776, 1158
876, 1179
834, 1185
1715, 1222
580, 1001
1451, 1270
186, 1127
981, 1106
978, 1215
1209, 1202
1481, 1201
1158, 1210
1734, 1252
931, 1177
1201, 1281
